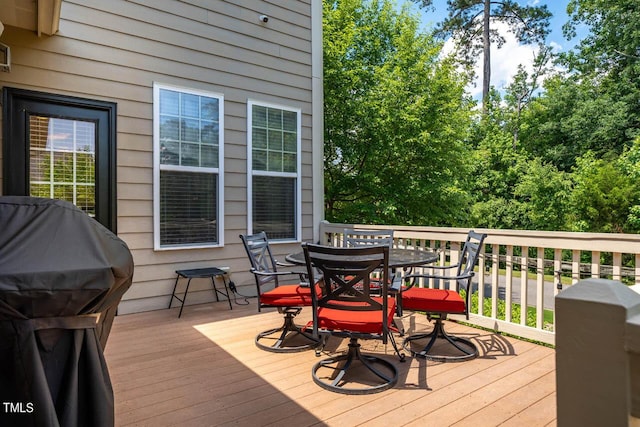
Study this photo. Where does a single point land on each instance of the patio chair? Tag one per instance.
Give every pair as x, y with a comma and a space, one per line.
361, 238
356, 238
287, 298
345, 307
439, 303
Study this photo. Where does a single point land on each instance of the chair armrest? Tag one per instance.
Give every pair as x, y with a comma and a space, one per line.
284, 264
277, 273
410, 279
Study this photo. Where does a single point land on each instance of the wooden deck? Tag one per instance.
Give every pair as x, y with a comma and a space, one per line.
204, 370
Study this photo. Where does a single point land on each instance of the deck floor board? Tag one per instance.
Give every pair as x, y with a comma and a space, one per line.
205, 370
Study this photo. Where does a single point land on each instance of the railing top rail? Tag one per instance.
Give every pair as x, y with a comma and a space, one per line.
604, 242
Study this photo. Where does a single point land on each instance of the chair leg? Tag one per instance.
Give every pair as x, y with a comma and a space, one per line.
395, 346
382, 374
286, 333
464, 348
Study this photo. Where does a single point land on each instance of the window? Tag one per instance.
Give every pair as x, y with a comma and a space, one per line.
274, 171
188, 168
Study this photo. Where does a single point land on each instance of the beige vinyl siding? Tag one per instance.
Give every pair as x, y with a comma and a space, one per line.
115, 50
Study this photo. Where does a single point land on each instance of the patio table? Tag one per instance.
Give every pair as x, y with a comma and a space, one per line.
398, 258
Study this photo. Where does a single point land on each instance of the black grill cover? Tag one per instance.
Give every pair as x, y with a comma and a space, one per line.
62, 275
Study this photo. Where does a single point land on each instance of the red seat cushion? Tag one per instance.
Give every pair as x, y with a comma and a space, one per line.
357, 321
432, 300
287, 296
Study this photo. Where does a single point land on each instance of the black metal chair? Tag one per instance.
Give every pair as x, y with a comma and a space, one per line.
287, 298
352, 238
344, 306
437, 303
356, 238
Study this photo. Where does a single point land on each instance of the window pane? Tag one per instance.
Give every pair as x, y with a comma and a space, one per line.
274, 206
290, 121
38, 132
188, 208
209, 132
40, 190
169, 128
190, 105
190, 155
209, 156
275, 161
61, 135
169, 153
40, 166
290, 142
260, 160
85, 168
259, 138
85, 199
274, 118
259, 116
289, 163
190, 130
209, 108
275, 140
169, 102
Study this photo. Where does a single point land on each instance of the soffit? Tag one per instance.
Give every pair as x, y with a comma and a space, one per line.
41, 16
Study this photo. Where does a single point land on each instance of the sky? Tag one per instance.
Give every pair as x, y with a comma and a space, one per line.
504, 61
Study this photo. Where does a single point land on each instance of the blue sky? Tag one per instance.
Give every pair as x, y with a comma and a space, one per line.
504, 62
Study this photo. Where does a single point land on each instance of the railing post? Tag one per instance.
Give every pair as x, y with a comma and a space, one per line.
593, 365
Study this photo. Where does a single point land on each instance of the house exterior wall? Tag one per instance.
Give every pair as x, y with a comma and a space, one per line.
115, 51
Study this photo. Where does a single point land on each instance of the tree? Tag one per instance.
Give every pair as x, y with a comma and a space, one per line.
520, 92
470, 23
604, 199
396, 119
612, 46
575, 115
609, 58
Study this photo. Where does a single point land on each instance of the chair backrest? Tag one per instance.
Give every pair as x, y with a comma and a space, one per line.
344, 278
356, 238
260, 257
469, 257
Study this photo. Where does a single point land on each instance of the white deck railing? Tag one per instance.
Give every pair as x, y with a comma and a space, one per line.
502, 287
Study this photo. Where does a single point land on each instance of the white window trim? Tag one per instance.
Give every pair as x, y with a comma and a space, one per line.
157, 167
251, 172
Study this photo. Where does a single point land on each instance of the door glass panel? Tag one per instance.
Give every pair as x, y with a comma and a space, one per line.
63, 157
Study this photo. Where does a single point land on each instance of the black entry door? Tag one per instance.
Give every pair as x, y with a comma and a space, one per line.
61, 147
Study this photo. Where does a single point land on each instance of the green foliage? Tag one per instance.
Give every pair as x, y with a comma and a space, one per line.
395, 119
603, 198
611, 47
404, 146
516, 311
575, 116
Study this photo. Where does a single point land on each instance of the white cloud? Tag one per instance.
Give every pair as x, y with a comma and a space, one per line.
504, 61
